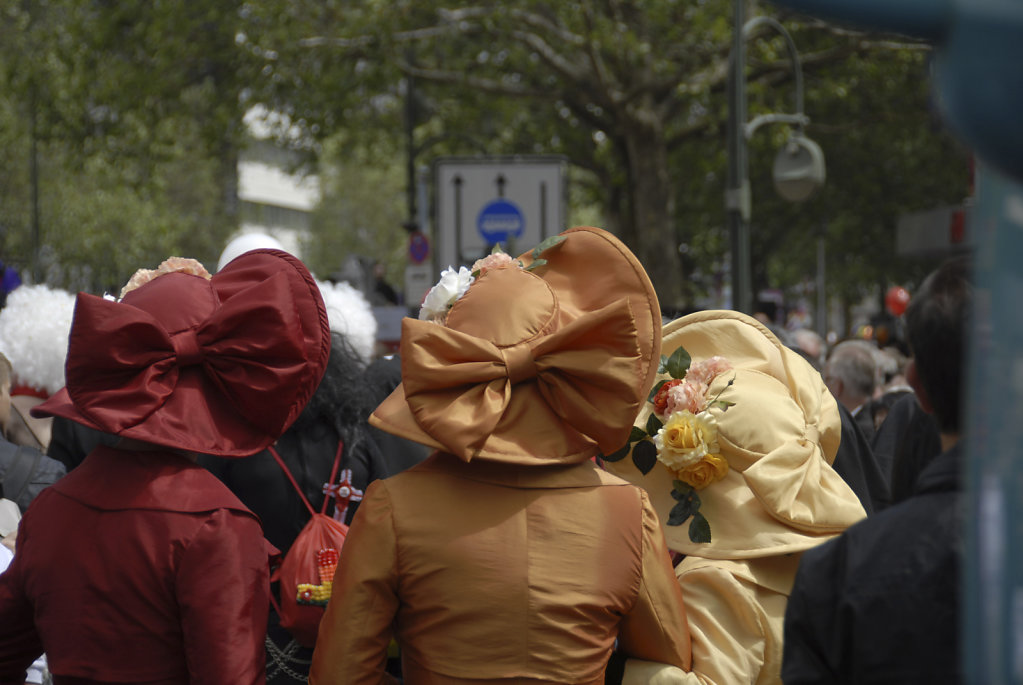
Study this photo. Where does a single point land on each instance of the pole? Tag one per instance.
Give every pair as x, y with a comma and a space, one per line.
822, 300
34, 180
737, 194
410, 162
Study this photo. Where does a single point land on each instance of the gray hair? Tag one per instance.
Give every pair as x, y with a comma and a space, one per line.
855, 363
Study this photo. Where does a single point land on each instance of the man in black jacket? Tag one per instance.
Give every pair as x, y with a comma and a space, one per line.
881, 602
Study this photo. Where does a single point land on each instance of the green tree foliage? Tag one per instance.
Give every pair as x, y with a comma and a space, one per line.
597, 83
634, 96
361, 213
136, 109
886, 153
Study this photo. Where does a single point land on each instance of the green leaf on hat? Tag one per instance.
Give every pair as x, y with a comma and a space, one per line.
547, 244
699, 528
644, 456
678, 363
536, 263
653, 424
679, 513
688, 503
637, 434
681, 489
496, 249
617, 455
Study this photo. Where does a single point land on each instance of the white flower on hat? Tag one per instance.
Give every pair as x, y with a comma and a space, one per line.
452, 285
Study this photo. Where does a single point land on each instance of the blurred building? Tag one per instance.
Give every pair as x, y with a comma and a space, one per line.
272, 198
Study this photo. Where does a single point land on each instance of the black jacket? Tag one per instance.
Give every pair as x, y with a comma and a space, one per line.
907, 441
24, 472
880, 603
856, 464
309, 454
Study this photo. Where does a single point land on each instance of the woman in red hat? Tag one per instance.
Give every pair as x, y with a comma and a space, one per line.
140, 566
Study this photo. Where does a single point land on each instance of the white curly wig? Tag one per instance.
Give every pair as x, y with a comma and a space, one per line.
34, 328
351, 315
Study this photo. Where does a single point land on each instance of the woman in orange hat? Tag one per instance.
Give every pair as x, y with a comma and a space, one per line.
508, 556
140, 566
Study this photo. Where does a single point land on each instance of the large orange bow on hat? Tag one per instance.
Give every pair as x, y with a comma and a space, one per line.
139, 365
458, 386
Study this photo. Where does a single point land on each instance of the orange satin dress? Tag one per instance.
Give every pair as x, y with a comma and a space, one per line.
485, 571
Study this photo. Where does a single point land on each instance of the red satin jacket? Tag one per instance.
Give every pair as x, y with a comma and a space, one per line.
137, 567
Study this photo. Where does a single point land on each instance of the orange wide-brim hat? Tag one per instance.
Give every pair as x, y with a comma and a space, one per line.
542, 366
219, 365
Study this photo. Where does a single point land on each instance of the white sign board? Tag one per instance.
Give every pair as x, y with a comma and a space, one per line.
933, 232
419, 278
480, 201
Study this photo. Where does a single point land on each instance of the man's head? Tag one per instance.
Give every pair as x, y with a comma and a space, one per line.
936, 322
851, 373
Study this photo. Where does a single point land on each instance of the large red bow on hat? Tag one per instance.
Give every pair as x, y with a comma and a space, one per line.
458, 386
125, 365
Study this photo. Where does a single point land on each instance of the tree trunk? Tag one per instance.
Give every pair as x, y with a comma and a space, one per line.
653, 205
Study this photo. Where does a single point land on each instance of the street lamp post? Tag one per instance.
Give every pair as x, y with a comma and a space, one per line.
737, 195
798, 170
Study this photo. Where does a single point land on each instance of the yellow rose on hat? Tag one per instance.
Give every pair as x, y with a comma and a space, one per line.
685, 439
710, 469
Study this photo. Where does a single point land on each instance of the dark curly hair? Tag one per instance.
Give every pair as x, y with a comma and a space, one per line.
342, 399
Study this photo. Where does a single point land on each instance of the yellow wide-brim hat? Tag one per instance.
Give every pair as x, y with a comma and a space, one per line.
542, 366
778, 429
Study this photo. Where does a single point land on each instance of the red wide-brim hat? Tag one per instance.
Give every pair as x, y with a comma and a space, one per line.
220, 366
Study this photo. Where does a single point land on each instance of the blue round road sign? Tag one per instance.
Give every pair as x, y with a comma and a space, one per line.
500, 220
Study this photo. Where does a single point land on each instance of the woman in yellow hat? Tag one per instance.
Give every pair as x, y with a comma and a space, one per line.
735, 450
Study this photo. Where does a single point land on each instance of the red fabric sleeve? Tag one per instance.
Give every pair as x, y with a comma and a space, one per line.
223, 589
19, 642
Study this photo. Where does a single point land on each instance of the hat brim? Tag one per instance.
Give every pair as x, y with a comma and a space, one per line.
529, 432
